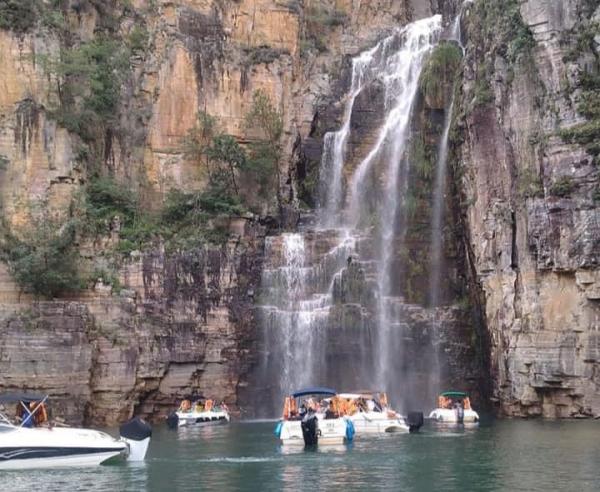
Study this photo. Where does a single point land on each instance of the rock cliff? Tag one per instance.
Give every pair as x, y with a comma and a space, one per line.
154, 320
526, 144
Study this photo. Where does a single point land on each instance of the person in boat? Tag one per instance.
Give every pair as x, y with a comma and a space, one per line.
330, 413
302, 411
361, 404
370, 405
185, 406
29, 418
378, 407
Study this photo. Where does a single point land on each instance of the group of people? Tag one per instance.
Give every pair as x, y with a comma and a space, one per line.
199, 406
452, 403
333, 408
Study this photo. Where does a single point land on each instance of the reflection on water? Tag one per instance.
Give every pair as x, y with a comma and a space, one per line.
498, 456
299, 449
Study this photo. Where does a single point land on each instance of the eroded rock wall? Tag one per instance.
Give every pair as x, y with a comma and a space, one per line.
185, 322
530, 208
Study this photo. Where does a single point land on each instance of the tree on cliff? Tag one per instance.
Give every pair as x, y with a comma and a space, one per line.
43, 259
265, 151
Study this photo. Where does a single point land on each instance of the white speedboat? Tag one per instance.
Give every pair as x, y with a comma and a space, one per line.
370, 414
454, 407
198, 411
32, 445
307, 420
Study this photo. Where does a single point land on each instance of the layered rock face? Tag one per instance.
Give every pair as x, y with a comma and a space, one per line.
184, 322
531, 209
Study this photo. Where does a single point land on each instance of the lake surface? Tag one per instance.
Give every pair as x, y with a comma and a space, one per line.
498, 456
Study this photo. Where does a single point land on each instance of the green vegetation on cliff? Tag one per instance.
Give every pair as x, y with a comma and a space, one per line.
588, 100
582, 45
44, 259
319, 20
90, 77
438, 75
496, 29
19, 15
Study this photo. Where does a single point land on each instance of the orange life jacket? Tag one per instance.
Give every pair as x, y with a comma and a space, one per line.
287, 408
384, 400
208, 405
293, 406
42, 414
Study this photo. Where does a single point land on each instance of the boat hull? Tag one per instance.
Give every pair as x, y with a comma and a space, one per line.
22, 448
186, 419
58, 458
450, 416
377, 423
330, 432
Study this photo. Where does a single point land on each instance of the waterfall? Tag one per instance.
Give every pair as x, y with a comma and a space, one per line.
437, 223
334, 145
331, 304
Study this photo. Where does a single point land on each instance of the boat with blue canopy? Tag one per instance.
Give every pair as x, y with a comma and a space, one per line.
309, 418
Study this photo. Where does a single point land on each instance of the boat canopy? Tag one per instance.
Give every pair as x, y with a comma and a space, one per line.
21, 397
314, 391
454, 394
194, 397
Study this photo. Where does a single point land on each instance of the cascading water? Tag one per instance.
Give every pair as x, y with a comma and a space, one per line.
334, 146
333, 312
437, 223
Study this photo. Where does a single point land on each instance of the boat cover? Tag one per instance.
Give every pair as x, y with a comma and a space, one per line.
454, 394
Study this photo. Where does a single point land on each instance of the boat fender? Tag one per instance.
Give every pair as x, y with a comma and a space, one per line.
136, 433
173, 420
350, 431
415, 421
278, 428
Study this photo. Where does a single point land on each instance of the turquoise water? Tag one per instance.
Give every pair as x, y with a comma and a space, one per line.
497, 456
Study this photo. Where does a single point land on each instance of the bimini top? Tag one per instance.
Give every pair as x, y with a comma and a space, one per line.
454, 394
314, 391
194, 397
17, 397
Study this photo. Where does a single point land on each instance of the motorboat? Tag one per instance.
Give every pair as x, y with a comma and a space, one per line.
197, 410
309, 420
370, 413
454, 407
35, 443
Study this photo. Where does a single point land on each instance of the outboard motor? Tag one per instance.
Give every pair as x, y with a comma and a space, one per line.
414, 420
136, 433
310, 429
173, 420
460, 414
